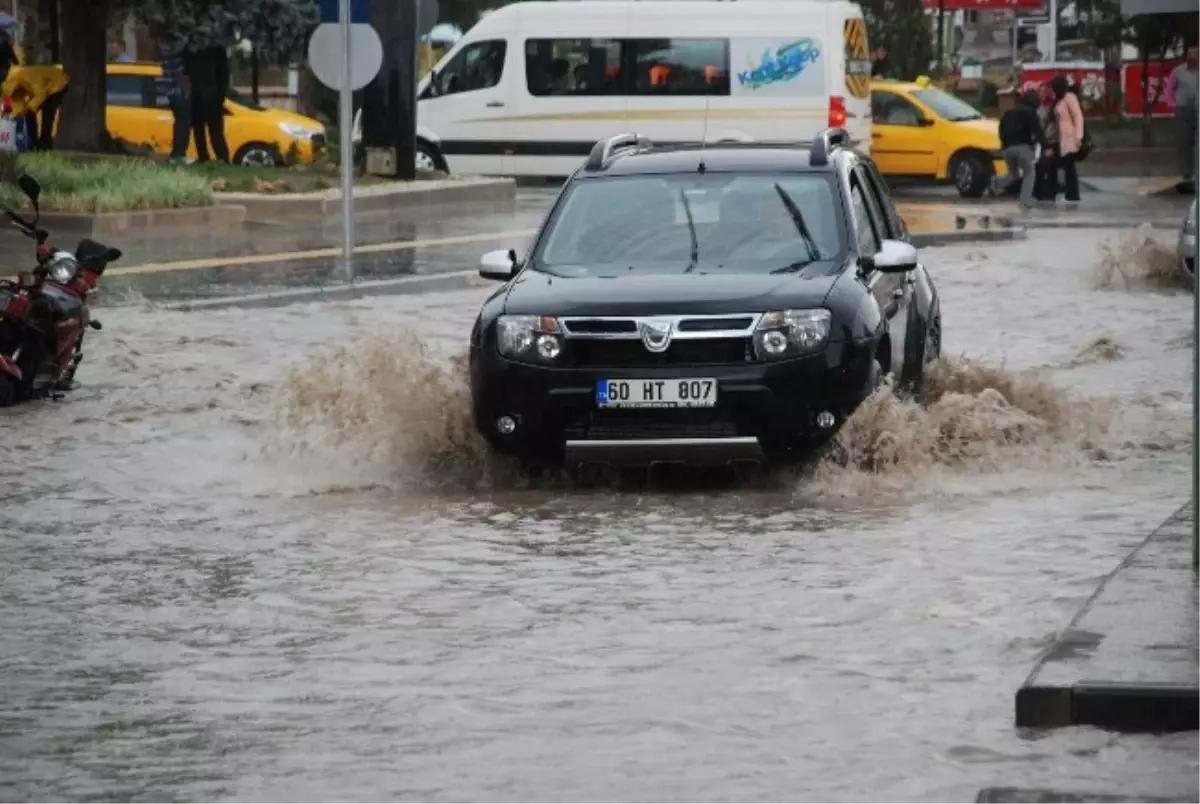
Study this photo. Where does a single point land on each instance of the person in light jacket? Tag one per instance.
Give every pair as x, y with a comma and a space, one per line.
1068, 117
1182, 94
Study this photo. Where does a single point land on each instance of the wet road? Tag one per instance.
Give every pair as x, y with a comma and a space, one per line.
276, 258
204, 597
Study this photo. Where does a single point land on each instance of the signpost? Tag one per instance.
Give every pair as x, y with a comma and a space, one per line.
346, 57
1174, 7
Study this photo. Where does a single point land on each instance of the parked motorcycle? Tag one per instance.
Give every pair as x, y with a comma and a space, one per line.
44, 313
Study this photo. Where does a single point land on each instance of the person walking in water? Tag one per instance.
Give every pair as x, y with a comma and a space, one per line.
1182, 93
1068, 120
1020, 133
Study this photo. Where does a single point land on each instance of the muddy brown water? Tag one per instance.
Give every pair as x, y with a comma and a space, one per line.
239, 565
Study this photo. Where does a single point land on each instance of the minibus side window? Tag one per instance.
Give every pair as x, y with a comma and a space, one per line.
479, 65
555, 67
679, 66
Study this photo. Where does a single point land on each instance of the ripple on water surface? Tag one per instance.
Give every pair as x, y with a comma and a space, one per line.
241, 564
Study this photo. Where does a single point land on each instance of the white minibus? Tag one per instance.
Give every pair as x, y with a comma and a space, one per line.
531, 88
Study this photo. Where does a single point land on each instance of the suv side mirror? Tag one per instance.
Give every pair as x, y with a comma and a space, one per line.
924, 122
894, 257
499, 265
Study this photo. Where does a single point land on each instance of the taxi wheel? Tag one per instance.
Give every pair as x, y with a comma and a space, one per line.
971, 175
257, 154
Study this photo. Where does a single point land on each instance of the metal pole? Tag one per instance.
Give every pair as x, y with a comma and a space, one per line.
346, 132
1053, 31
1196, 408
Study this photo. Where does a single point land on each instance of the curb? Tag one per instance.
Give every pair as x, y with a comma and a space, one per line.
1004, 795
114, 224
1130, 706
954, 237
325, 204
414, 283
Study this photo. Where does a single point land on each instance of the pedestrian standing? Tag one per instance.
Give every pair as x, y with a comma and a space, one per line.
879, 63
1020, 134
207, 70
176, 88
8, 56
1182, 93
1068, 118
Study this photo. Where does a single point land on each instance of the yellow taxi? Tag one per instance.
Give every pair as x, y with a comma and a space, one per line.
139, 113
922, 132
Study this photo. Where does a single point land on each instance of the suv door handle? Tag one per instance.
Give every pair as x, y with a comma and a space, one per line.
495, 104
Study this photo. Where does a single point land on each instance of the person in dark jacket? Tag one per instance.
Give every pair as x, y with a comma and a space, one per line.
207, 72
1020, 132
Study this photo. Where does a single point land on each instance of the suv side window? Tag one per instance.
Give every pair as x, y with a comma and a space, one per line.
896, 230
477, 66
890, 109
865, 229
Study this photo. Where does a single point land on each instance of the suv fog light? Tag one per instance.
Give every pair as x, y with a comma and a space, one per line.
506, 425
774, 342
548, 346
825, 420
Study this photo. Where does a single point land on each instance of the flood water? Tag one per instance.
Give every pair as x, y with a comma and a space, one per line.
241, 565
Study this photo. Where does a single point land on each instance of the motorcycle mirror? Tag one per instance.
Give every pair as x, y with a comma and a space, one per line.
113, 255
29, 185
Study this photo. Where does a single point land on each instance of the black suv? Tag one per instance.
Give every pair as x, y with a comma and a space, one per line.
702, 305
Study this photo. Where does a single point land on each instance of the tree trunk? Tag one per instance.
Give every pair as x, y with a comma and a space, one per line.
254, 77
84, 27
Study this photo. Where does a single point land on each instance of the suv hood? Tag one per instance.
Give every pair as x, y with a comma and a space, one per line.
536, 293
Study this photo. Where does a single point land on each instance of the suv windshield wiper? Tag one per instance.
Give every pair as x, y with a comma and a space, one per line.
798, 219
792, 267
687, 210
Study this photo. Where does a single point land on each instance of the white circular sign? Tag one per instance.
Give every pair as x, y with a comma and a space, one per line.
325, 54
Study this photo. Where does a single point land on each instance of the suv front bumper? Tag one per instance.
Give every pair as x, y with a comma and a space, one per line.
764, 410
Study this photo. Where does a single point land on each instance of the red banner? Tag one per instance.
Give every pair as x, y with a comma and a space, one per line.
985, 5
1131, 87
1088, 76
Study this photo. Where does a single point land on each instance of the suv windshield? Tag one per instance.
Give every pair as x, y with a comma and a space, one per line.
946, 105
703, 223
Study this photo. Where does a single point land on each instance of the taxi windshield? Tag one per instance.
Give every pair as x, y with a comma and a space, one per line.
702, 223
946, 105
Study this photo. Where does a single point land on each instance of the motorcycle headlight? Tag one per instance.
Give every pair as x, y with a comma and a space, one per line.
787, 333
533, 338
62, 267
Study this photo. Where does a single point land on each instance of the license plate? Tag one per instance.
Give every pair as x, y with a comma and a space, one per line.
687, 393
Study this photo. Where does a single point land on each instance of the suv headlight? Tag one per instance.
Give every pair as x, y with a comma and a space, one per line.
532, 338
787, 333
62, 267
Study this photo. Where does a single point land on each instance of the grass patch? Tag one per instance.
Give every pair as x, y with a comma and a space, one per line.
117, 185
321, 175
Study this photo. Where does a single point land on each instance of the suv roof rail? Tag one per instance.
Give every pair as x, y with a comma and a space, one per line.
604, 150
825, 142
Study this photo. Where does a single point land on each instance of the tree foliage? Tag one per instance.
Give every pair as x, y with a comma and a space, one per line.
902, 27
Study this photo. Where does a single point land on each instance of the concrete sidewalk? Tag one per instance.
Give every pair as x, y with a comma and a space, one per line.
1019, 795
1128, 660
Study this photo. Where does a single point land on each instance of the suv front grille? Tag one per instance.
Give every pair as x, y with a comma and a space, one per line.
586, 353
619, 425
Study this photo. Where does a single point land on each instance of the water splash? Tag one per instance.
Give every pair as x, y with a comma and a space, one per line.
400, 417
1139, 260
